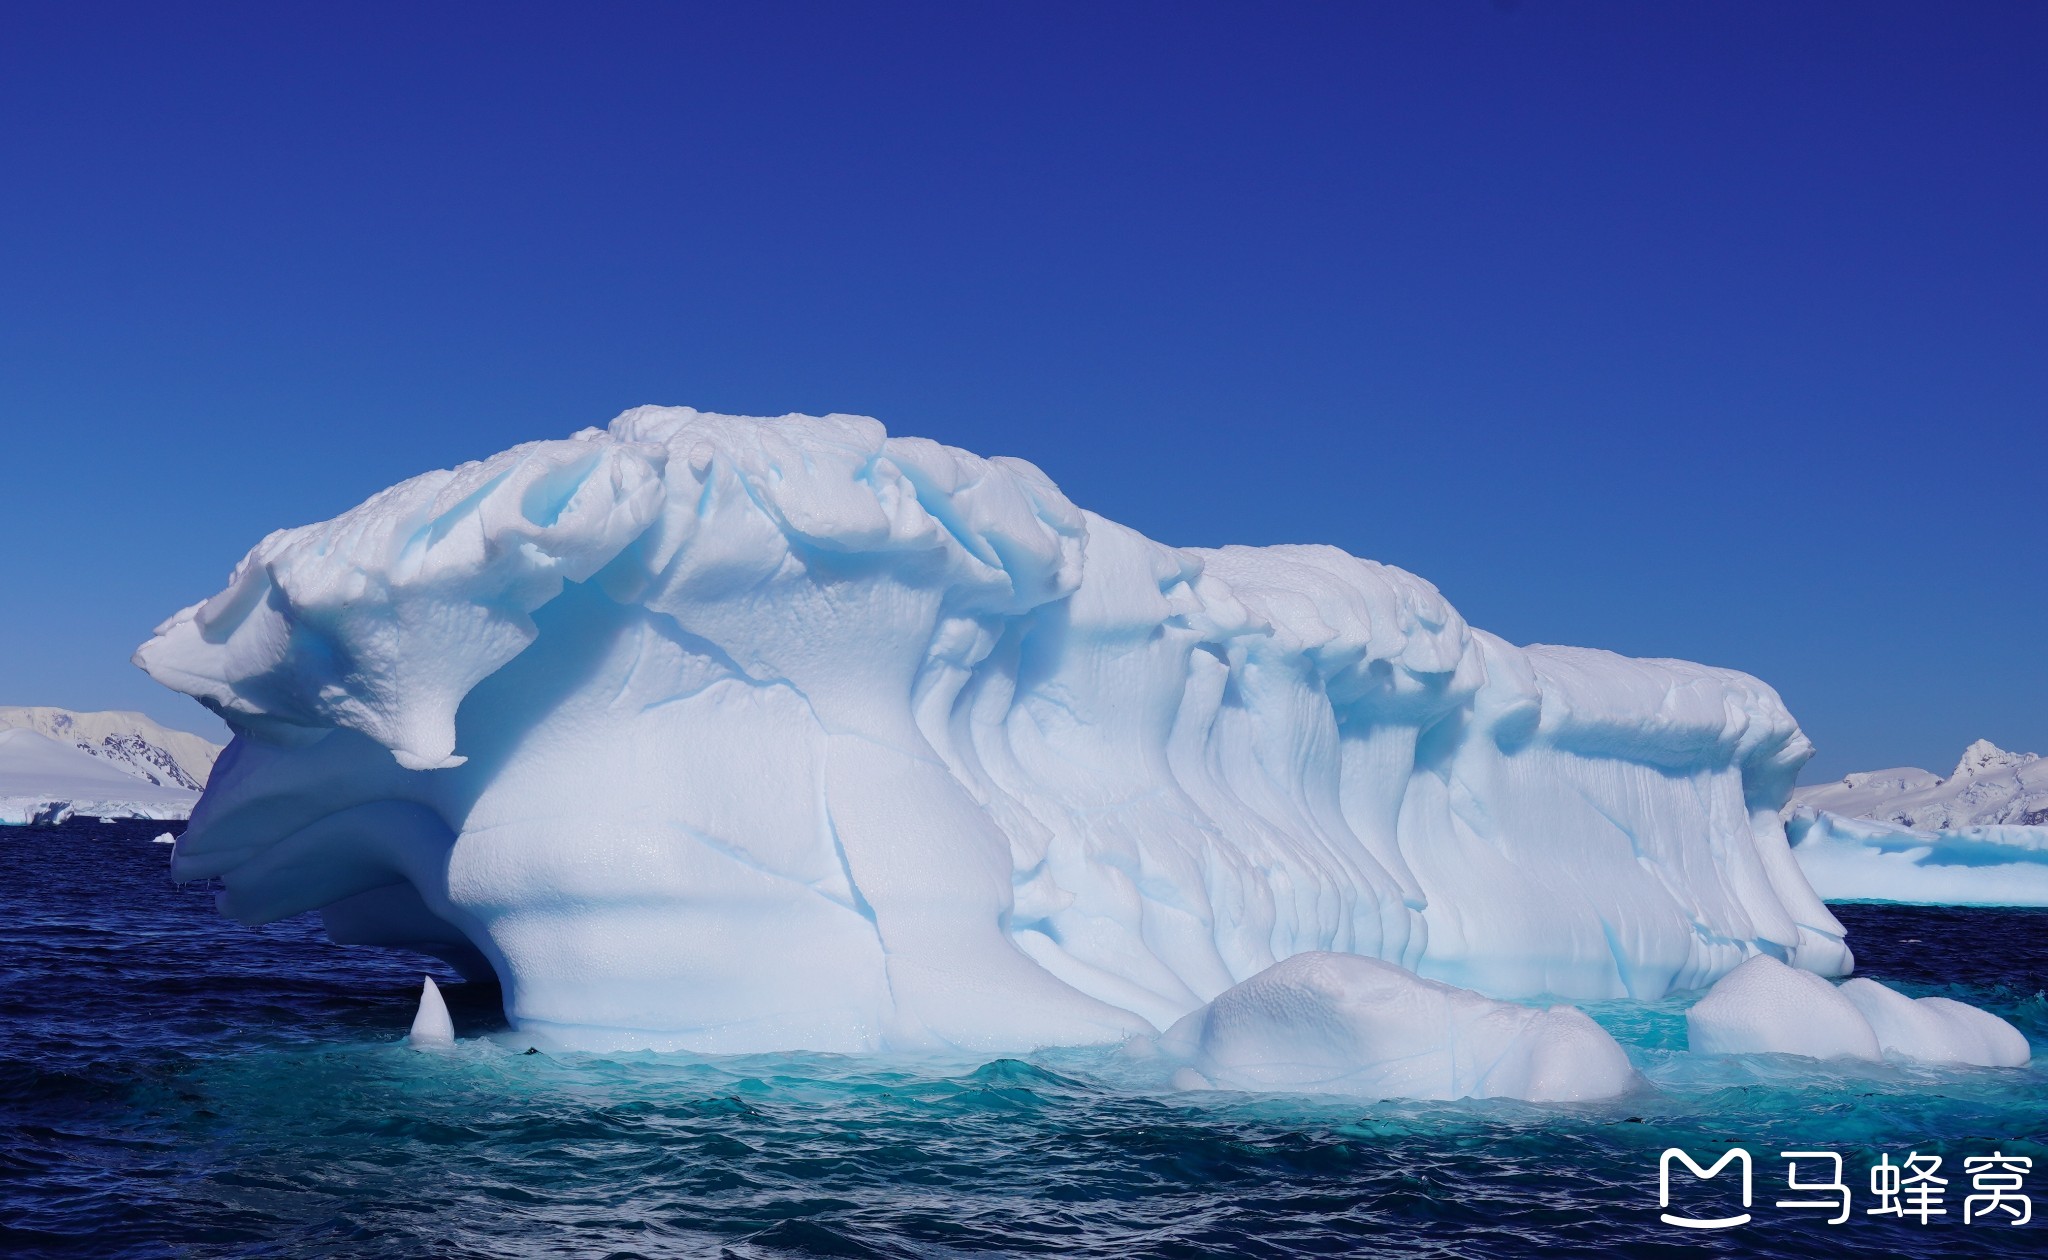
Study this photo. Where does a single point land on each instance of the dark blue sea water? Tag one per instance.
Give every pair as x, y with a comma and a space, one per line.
173, 1084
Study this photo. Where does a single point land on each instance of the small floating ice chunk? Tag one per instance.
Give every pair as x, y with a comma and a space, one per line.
1342, 1023
1766, 1007
165, 838
431, 1028
1935, 1029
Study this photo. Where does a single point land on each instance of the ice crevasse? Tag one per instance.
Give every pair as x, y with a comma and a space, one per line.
735, 734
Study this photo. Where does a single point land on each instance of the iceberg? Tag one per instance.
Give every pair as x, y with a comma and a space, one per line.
1977, 837
732, 734
1860, 859
1936, 1029
1344, 1023
432, 1029
1766, 1007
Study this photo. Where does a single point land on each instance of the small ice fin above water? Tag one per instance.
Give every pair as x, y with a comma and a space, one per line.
431, 1028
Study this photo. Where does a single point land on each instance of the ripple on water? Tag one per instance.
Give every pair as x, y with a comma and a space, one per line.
174, 1084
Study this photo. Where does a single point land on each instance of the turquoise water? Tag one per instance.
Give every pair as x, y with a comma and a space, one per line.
174, 1084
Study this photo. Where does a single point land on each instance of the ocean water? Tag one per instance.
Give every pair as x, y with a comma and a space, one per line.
173, 1084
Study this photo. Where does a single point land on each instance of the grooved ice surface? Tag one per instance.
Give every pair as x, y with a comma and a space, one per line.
734, 734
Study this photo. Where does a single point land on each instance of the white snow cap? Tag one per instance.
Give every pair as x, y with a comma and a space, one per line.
43, 780
744, 734
1340, 1023
1990, 788
128, 742
1765, 1007
1984, 757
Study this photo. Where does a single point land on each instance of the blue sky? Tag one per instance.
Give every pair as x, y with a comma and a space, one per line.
1713, 331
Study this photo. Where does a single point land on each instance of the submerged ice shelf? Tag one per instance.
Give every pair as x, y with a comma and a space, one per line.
734, 734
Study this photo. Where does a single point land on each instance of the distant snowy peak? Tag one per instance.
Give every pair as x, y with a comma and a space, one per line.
144, 760
1978, 837
128, 742
1986, 758
1990, 787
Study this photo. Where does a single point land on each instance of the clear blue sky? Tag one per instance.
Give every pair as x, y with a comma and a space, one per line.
1716, 331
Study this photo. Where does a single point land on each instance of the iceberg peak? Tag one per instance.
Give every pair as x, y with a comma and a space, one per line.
432, 1029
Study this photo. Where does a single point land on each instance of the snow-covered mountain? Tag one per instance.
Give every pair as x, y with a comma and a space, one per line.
1990, 787
55, 763
1977, 837
44, 781
128, 742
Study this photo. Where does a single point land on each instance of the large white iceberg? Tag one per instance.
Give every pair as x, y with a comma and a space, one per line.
734, 734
